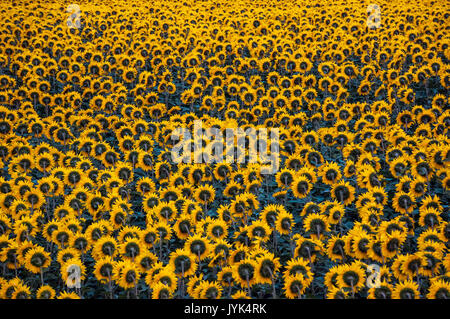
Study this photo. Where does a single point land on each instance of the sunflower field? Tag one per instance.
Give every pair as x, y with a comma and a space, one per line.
92, 204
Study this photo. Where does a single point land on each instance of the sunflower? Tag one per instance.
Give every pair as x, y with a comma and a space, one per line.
44, 162
308, 248
284, 222
245, 272
95, 204
205, 194
126, 274
259, 230
405, 119
360, 245
66, 254
430, 202
184, 226
130, 248
336, 248
337, 293
183, 262
418, 188
335, 214
193, 284
330, 173
403, 202
218, 229
80, 242
316, 225
21, 292
429, 235
198, 246
150, 201
301, 186
161, 291
421, 170
439, 289
310, 138
209, 290
73, 271
220, 253
383, 291
299, 266
224, 214
110, 158
232, 189
68, 295
412, 264
162, 170
36, 259
433, 247
97, 230
23, 163
8, 287
48, 229
240, 294
103, 269
294, 286
285, 177
166, 211
22, 250
294, 162
351, 276
5, 224
430, 217
244, 205
343, 192
167, 277
406, 290
22, 234
392, 243
45, 292
445, 231
267, 268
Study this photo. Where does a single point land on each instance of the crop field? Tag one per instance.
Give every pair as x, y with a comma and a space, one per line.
247, 149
